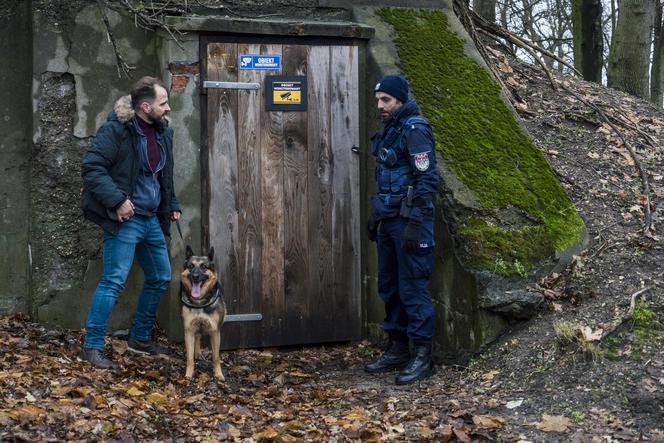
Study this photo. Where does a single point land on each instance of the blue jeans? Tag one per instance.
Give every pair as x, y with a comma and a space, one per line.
403, 279
140, 236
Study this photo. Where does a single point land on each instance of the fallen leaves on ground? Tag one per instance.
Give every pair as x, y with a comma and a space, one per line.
309, 394
553, 423
488, 421
587, 334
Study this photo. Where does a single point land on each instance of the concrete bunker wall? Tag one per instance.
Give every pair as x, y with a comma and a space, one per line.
74, 84
15, 146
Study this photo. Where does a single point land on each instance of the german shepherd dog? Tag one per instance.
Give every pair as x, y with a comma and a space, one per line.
203, 308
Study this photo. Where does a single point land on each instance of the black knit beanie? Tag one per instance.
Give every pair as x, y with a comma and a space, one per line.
394, 85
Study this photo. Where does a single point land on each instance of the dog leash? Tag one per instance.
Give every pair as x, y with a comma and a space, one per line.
177, 223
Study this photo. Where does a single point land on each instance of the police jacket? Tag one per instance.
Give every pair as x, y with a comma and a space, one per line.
112, 165
406, 172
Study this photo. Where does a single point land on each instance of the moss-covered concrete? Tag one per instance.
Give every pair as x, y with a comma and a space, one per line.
527, 214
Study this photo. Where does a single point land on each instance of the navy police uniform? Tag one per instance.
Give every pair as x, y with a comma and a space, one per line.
406, 179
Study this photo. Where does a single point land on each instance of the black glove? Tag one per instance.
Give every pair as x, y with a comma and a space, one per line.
372, 228
410, 238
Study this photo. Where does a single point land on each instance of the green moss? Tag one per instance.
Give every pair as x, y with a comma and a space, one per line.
480, 140
644, 322
503, 251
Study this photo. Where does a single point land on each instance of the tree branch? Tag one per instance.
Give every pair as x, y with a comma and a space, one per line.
122, 66
153, 20
463, 13
497, 31
532, 54
609, 328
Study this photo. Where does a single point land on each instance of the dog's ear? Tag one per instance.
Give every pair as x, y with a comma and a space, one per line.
211, 254
189, 252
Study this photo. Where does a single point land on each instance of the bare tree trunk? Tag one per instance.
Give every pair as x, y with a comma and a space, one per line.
503, 19
629, 58
588, 38
528, 21
486, 9
562, 25
656, 74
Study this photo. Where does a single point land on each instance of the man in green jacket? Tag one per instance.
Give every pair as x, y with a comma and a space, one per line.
128, 191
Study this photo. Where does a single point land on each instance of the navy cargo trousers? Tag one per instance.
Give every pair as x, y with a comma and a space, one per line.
403, 279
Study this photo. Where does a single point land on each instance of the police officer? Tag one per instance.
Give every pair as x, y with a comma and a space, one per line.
401, 222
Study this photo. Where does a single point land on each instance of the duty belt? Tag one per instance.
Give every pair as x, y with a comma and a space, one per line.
392, 199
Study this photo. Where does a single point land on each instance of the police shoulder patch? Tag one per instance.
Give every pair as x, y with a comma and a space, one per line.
422, 161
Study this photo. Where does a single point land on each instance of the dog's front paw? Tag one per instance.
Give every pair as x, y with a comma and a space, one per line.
189, 374
219, 375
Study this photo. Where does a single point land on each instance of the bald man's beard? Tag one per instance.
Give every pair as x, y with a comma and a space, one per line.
156, 119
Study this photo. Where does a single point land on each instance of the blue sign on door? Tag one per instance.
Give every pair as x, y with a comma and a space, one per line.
260, 61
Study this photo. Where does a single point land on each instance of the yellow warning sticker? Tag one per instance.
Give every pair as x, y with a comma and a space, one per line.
284, 93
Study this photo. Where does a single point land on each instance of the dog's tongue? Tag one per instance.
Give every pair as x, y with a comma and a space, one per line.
196, 290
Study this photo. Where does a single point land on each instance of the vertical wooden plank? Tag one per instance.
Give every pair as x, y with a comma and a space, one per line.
319, 243
296, 263
222, 162
204, 149
355, 196
345, 184
250, 292
272, 189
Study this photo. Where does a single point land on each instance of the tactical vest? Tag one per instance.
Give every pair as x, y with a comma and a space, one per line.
394, 172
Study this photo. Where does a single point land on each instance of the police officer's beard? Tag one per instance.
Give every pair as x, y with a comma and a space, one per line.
387, 116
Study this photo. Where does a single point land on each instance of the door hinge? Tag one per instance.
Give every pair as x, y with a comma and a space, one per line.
230, 85
242, 317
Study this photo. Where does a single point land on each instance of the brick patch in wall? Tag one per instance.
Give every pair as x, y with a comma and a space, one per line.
179, 83
180, 68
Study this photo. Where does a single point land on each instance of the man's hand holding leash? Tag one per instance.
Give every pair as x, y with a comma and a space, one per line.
125, 211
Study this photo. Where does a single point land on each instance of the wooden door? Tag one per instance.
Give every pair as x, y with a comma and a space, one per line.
282, 195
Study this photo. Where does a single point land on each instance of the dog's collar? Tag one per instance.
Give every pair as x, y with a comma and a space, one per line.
217, 295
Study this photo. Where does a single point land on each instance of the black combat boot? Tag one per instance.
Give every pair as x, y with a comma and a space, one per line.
419, 367
395, 357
